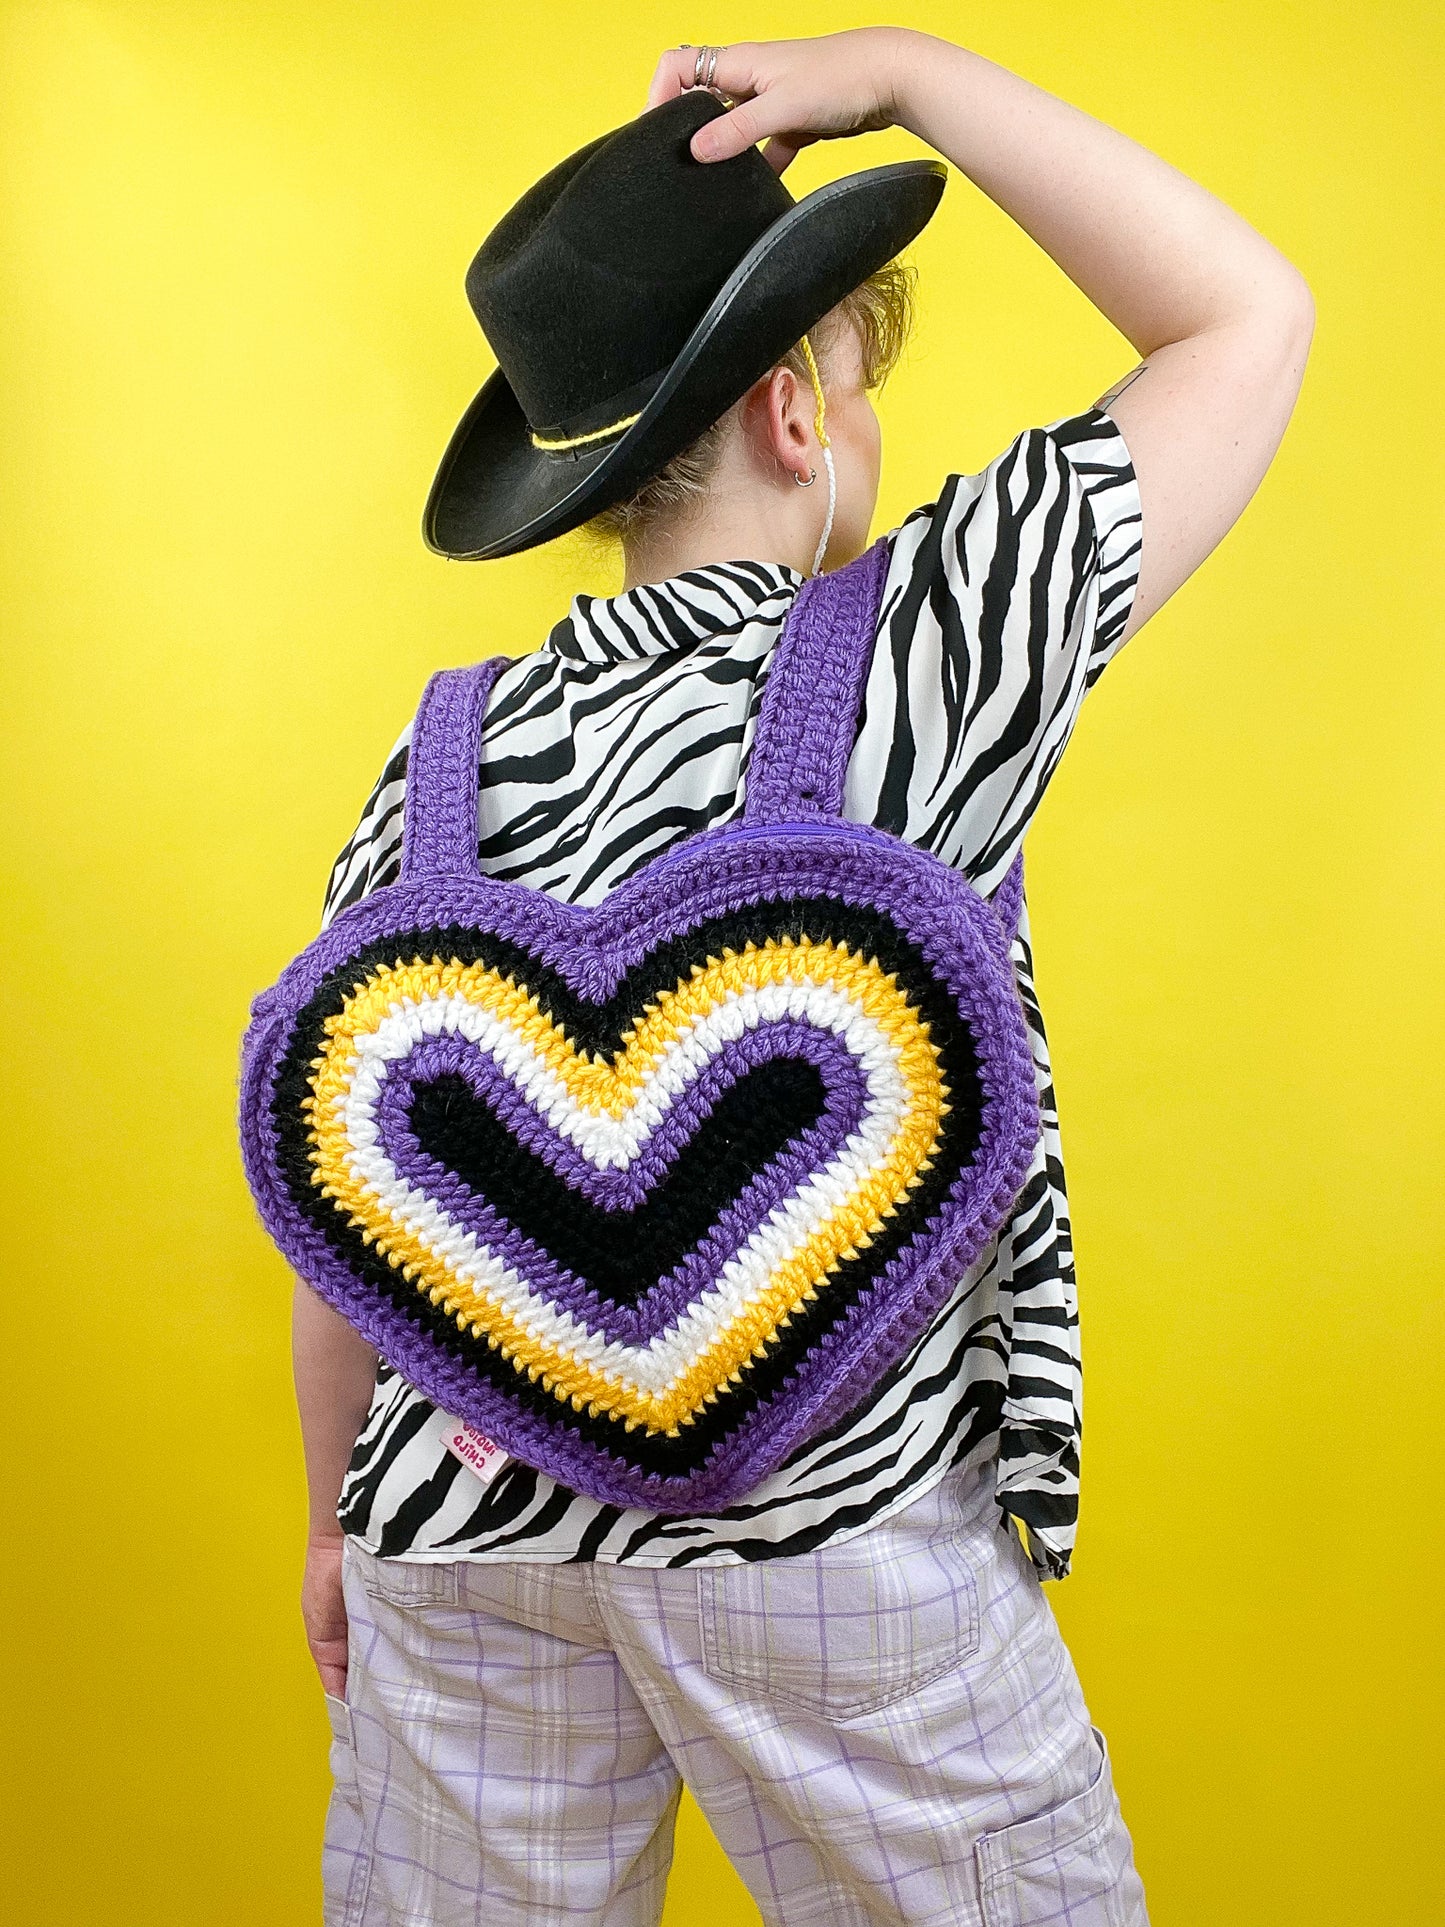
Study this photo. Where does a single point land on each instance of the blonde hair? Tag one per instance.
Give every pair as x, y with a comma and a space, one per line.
880, 312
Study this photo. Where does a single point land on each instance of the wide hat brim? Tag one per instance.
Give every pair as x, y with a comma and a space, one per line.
496, 493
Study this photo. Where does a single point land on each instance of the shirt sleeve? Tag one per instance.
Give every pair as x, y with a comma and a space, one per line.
371, 855
1004, 600
1098, 457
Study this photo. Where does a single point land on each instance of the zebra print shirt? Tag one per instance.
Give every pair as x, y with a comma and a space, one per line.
631, 728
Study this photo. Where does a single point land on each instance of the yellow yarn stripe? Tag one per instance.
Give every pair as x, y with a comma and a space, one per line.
596, 1085
818, 429
407, 1251
852, 1224
581, 441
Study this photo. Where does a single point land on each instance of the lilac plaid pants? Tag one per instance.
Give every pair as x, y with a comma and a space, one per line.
889, 1730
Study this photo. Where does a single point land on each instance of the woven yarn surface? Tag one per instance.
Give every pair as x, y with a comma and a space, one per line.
652, 1192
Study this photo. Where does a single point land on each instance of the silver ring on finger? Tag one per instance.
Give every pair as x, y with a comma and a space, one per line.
714, 55
699, 64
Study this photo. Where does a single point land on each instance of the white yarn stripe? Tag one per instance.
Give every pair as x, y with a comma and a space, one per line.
606, 1142
658, 1367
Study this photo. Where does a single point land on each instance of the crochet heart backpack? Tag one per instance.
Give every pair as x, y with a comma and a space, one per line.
654, 1191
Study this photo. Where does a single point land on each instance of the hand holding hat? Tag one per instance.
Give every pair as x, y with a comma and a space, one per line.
790, 93
634, 294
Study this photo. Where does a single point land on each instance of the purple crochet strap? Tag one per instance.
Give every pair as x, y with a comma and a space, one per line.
1008, 898
814, 691
439, 824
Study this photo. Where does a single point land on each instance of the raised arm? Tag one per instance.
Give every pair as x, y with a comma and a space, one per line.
1221, 320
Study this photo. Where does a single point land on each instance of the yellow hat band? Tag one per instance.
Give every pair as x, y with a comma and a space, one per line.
560, 443
581, 441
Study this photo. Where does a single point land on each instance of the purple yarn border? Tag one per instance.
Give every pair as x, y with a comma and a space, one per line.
659, 1309
626, 1190
439, 814
814, 691
806, 729
591, 949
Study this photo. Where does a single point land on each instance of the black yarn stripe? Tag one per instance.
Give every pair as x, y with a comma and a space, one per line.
597, 1028
863, 929
761, 1378
621, 1254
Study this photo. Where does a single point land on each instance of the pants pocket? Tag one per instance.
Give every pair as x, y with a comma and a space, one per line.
845, 1632
406, 1582
343, 1756
345, 1843
1072, 1864
345, 1851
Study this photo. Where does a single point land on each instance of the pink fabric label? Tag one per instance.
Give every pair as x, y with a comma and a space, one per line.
482, 1456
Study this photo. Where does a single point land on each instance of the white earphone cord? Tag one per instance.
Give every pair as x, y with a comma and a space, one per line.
822, 548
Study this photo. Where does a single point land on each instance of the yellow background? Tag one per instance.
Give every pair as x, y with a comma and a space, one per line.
235, 343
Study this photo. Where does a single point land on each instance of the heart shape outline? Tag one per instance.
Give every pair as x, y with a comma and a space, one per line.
734, 872
597, 1105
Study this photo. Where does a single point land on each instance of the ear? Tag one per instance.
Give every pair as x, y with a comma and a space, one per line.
782, 419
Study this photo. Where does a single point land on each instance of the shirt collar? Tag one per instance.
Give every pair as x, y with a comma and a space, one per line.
655, 618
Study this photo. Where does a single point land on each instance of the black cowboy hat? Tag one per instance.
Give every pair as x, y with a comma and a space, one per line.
631, 297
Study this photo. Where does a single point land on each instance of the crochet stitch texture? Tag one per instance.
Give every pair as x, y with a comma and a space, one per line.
652, 1192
